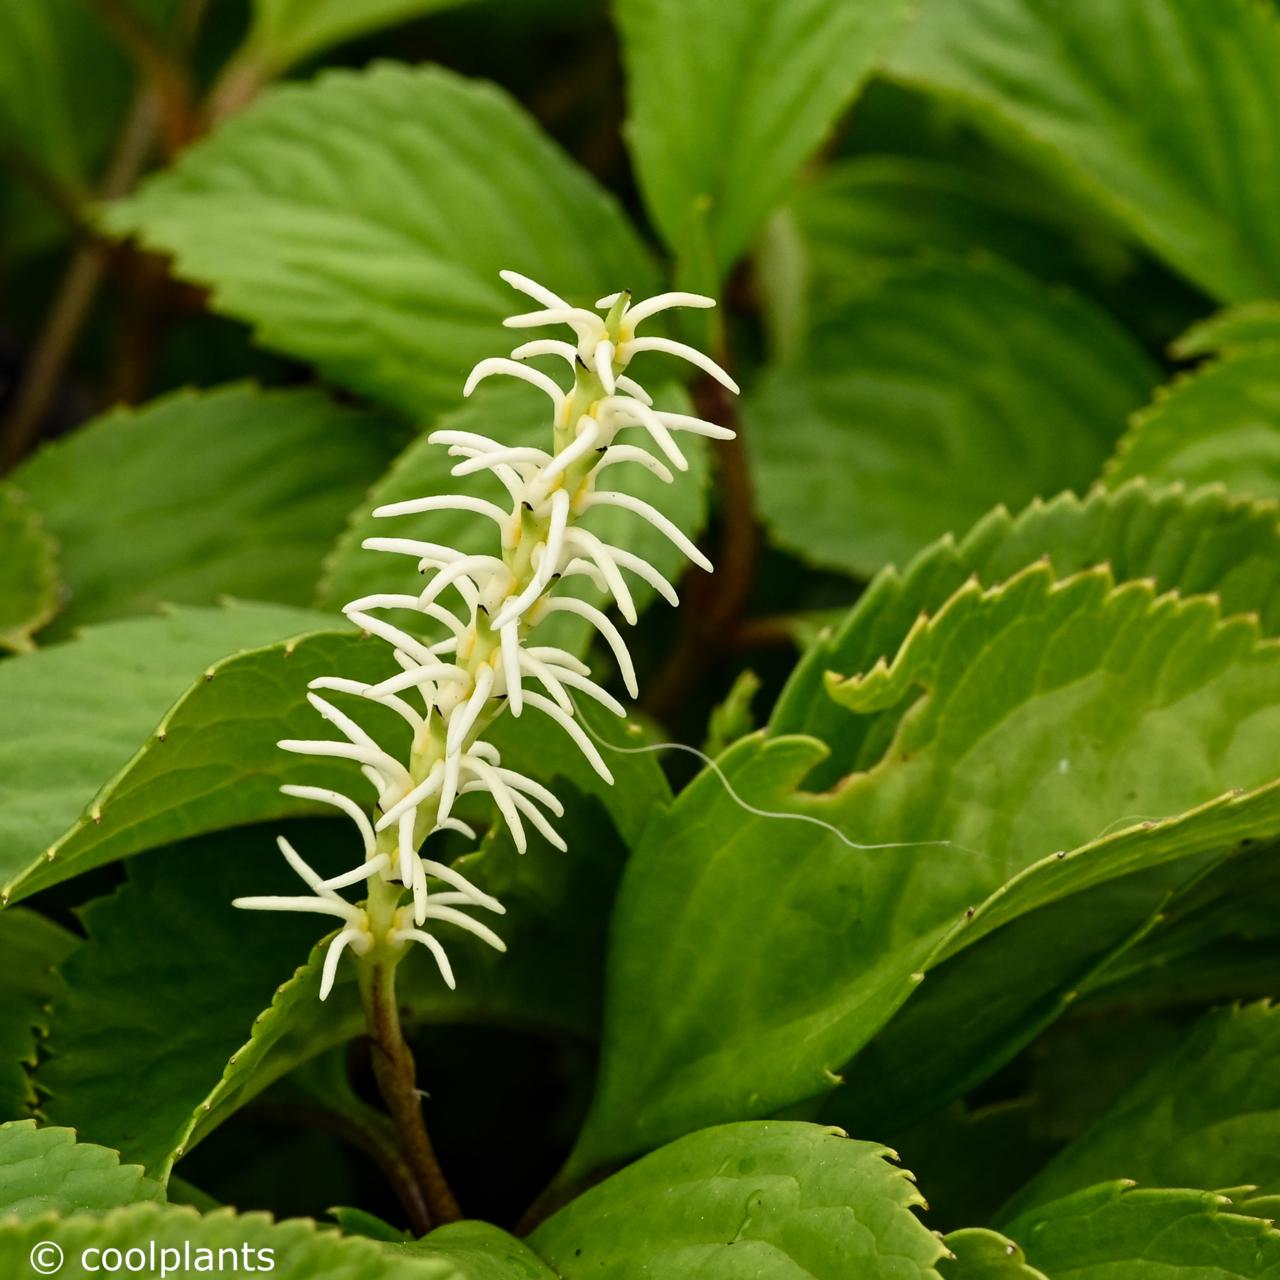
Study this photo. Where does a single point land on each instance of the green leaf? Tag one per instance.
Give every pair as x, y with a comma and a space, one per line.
516, 417
1110, 1232
484, 1252
787, 1198
29, 581
983, 1005
1129, 101
1016, 726
1219, 425
283, 32
43, 1170
31, 948
979, 1254
57, 64
230, 492
1234, 329
1218, 939
1207, 1115
1203, 543
865, 216
97, 767
293, 1250
727, 101
922, 424
359, 222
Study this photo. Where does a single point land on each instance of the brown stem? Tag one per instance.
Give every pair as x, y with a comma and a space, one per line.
371, 1134
167, 76
396, 1074
76, 293
718, 602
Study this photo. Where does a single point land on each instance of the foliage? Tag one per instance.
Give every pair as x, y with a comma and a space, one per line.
981, 864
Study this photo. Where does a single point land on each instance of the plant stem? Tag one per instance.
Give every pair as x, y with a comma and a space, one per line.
396, 1074
166, 74
76, 293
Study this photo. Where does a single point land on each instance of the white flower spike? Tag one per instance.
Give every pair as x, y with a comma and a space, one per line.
482, 655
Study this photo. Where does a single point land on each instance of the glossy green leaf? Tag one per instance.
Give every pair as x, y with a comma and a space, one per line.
1248, 325
1110, 1232
29, 579
980, 1254
1202, 543
1219, 425
901, 420
293, 1250
769, 1199
97, 766
1207, 1115
283, 32
1016, 726
516, 415
31, 948
1132, 103
359, 222
230, 492
727, 101
47, 1170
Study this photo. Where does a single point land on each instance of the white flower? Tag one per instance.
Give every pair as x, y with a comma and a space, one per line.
486, 609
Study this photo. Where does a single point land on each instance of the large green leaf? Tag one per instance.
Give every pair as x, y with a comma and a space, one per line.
31, 948
1202, 543
866, 215
283, 32
752, 956
1110, 1232
1208, 1115
900, 420
1132, 102
293, 1250
728, 100
788, 1199
516, 417
47, 1170
231, 492
359, 222
1219, 425
93, 768
29, 581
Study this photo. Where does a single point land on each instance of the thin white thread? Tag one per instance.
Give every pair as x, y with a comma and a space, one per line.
763, 813
805, 817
